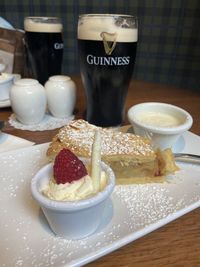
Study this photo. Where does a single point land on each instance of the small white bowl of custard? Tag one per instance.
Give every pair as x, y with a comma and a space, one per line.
161, 122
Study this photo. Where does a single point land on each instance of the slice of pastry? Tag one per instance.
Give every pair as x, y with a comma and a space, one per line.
127, 154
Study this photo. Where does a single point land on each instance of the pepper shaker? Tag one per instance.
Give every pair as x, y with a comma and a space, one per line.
61, 95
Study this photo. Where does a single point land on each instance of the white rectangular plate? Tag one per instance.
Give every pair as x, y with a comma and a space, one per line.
10, 142
134, 211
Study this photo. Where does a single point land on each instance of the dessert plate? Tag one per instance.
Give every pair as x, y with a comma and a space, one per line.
10, 142
133, 211
180, 146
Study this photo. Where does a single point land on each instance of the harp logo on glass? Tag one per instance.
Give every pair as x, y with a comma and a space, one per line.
109, 43
58, 46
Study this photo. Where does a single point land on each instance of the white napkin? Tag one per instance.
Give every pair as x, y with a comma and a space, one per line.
5, 24
10, 142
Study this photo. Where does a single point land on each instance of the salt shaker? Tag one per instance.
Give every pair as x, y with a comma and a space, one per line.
61, 95
28, 101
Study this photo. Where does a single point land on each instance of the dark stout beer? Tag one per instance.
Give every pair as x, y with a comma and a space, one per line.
106, 69
106, 79
44, 47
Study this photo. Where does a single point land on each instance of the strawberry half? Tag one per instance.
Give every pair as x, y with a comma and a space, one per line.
67, 167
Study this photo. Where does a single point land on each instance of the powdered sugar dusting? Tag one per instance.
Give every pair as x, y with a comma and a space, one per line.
80, 135
26, 239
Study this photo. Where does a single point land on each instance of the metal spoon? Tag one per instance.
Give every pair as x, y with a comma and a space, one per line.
188, 158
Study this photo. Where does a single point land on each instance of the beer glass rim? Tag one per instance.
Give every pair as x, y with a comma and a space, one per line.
93, 15
44, 19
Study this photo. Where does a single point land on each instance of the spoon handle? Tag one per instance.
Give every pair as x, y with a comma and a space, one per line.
189, 158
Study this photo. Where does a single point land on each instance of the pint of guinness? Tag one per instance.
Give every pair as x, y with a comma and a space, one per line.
44, 47
107, 49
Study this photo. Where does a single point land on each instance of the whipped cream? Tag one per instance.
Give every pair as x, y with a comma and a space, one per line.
77, 190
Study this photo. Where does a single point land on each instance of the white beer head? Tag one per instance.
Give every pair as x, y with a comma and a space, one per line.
91, 27
42, 24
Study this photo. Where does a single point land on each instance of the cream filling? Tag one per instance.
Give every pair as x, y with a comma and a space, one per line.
77, 190
158, 119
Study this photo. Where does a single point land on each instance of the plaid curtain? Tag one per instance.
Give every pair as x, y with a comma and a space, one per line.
169, 36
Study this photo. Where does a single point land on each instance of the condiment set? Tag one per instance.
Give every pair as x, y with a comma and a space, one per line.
30, 100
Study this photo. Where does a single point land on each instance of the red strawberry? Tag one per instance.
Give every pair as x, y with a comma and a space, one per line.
67, 167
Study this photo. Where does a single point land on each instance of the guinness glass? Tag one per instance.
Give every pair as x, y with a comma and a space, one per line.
107, 49
44, 47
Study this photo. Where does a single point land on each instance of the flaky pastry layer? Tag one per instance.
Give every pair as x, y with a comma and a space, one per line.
126, 153
79, 135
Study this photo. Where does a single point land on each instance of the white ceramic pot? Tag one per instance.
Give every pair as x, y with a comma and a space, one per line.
28, 101
61, 95
176, 122
72, 219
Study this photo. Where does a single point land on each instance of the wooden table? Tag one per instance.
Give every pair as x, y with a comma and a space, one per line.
176, 244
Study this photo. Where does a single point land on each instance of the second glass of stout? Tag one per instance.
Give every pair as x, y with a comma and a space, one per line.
107, 48
44, 47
